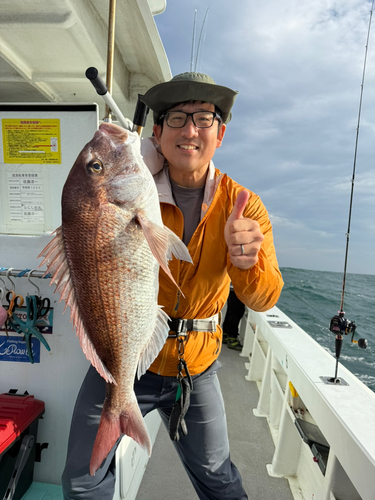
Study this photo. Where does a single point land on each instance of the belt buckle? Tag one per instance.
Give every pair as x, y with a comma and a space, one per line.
179, 331
180, 325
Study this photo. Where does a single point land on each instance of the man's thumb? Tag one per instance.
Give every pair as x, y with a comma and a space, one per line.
239, 205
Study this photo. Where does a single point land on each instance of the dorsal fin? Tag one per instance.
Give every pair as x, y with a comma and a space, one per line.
57, 265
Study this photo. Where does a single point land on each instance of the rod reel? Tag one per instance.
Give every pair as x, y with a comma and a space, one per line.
341, 326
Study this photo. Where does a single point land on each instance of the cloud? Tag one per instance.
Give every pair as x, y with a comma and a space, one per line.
298, 69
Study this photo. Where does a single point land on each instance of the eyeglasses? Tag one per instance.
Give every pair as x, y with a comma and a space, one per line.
201, 119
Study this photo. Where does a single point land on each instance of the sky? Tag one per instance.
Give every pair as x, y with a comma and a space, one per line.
298, 68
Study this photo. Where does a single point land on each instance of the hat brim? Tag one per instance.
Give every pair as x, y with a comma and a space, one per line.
164, 95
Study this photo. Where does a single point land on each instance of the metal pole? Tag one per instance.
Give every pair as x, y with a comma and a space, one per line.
110, 54
23, 273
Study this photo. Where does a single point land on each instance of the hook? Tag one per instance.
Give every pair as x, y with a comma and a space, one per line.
36, 286
7, 275
2, 293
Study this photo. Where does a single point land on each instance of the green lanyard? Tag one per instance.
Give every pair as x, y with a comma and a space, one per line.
182, 401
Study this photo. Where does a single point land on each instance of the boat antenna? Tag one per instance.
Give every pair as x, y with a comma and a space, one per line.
339, 324
200, 38
193, 41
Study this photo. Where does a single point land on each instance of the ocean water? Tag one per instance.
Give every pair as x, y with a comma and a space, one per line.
312, 298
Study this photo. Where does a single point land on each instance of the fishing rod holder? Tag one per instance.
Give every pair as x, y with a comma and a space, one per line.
334, 381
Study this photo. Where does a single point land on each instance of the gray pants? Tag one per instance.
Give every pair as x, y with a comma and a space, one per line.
204, 451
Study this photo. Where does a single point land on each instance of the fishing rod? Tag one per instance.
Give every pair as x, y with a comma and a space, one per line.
193, 40
200, 38
340, 325
194, 66
141, 110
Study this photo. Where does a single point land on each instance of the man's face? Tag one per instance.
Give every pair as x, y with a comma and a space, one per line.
189, 149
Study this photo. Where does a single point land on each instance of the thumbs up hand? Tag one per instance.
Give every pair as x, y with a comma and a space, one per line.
243, 236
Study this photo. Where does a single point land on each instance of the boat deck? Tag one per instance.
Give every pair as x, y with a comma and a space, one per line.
165, 477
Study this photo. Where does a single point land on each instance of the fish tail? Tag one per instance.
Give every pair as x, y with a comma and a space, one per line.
133, 425
129, 422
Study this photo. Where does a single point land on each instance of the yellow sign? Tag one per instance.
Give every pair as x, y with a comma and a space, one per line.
31, 140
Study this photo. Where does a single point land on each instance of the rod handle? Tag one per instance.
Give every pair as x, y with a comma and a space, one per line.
93, 75
140, 113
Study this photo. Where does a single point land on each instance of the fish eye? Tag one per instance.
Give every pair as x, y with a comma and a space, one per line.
95, 166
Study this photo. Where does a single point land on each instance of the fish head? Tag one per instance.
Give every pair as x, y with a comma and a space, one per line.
109, 169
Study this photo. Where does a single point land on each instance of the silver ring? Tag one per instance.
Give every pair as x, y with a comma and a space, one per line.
242, 250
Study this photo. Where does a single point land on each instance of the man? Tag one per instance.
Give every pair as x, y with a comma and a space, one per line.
229, 237
233, 316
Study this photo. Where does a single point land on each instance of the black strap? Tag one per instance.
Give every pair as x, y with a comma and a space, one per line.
181, 405
179, 410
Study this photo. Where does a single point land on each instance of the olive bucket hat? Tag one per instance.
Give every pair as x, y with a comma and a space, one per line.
189, 86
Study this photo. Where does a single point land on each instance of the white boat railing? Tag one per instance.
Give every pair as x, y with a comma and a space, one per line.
324, 434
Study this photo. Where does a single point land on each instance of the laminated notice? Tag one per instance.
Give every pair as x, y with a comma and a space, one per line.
31, 140
26, 198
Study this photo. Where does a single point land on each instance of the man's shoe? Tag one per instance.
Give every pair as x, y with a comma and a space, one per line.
234, 344
225, 338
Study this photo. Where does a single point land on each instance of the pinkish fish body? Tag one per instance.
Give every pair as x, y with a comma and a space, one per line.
105, 262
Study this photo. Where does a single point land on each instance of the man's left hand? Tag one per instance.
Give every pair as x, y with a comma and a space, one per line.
243, 236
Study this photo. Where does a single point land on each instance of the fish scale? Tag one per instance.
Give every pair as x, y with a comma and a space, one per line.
105, 262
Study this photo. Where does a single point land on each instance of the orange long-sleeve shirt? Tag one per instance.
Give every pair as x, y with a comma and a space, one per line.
205, 284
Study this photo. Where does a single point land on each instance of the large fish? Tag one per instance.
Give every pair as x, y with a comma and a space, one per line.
105, 262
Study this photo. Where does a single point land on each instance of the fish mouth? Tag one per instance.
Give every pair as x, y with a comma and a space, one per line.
118, 135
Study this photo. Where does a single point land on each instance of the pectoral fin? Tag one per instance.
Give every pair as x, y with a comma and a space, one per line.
155, 343
163, 244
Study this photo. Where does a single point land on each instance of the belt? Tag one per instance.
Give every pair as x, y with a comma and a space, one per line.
181, 326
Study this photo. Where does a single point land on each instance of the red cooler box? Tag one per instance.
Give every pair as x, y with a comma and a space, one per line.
19, 418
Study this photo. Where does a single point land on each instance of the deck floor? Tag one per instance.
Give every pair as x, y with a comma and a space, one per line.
250, 441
